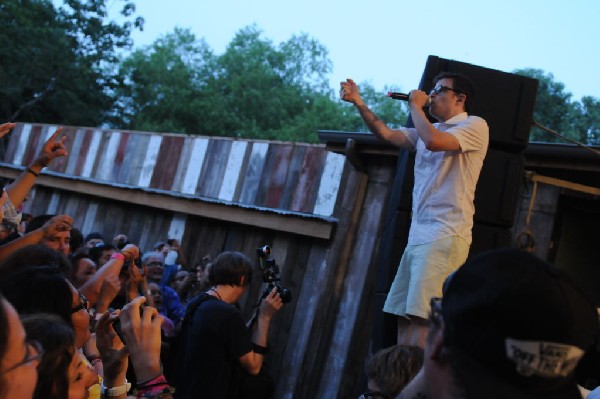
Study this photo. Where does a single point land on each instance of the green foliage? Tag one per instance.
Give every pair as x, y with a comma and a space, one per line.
255, 89
554, 109
58, 63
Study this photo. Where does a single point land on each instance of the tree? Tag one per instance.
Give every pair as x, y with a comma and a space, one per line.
555, 109
255, 89
164, 85
58, 63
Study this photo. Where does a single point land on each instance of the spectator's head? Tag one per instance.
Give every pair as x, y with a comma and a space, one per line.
155, 263
83, 269
390, 369
61, 373
202, 273
177, 283
18, 356
59, 241
510, 326
230, 268
35, 255
101, 253
156, 294
7, 229
162, 247
44, 290
93, 239
76, 240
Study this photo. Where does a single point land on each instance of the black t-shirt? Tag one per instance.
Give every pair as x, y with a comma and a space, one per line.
213, 340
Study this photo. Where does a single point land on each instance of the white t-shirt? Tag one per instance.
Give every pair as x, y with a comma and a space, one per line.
445, 181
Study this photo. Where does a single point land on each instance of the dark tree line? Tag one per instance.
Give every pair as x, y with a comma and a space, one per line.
72, 65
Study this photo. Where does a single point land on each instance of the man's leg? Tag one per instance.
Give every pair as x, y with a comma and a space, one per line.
431, 264
413, 331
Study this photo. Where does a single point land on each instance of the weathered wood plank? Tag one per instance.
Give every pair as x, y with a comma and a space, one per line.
254, 172
293, 176
14, 142
90, 159
306, 190
150, 161
194, 168
275, 185
110, 144
213, 170
329, 184
167, 162
232, 176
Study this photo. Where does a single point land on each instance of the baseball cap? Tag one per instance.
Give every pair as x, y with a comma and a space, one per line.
517, 327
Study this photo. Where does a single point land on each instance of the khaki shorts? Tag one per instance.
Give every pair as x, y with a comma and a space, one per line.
421, 274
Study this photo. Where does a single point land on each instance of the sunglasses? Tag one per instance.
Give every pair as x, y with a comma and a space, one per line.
441, 89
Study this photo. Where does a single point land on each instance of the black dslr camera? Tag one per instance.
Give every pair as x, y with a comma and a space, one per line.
270, 274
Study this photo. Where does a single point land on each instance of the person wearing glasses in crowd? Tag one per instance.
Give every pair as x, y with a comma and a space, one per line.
449, 157
170, 306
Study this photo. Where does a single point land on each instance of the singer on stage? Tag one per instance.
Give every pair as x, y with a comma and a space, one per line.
449, 156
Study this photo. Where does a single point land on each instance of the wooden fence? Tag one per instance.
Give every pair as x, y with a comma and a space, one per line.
322, 217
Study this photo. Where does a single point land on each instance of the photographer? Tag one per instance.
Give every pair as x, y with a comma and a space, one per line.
220, 357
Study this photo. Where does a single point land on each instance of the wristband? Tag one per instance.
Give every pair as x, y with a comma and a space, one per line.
115, 391
160, 378
261, 350
156, 387
29, 170
118, 255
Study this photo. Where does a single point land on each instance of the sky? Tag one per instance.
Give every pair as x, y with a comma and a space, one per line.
386, 42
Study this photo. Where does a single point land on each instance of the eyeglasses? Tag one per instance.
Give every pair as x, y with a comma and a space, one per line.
374, 394
33, 352
440, 89
82, 305
155, 264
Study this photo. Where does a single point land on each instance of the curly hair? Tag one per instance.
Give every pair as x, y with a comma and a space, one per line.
392, 368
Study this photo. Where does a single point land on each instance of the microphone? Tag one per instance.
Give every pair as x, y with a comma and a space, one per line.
404, 97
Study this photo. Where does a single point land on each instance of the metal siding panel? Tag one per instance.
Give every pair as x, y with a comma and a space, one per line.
254, 172
150, 161
330, 184
190, 181
232, 170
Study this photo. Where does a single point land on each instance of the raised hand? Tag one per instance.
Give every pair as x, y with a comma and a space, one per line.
52, 149
5, 128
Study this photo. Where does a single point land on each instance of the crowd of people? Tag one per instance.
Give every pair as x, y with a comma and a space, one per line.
84, 315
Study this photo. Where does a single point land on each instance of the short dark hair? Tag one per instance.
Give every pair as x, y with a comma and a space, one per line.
462, 84
92, 236
228, 269
58, 341
39, 290
76, 239
96, 252
37, 222
35, 255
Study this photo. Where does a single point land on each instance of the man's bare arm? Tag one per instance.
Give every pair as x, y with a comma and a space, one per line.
349, 93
